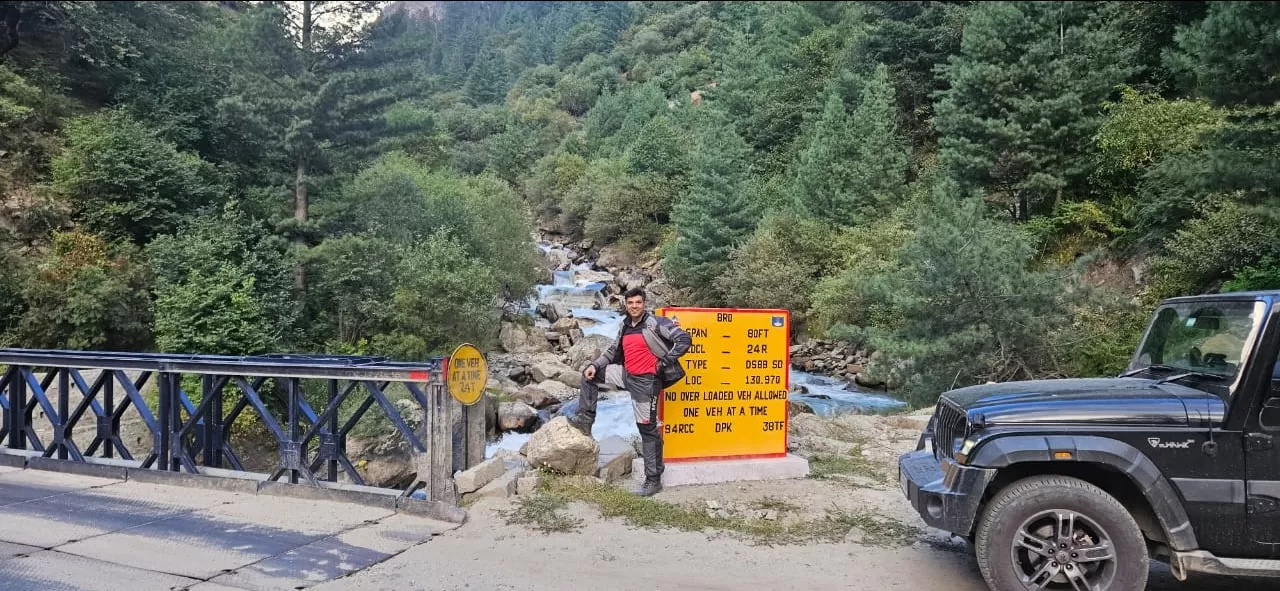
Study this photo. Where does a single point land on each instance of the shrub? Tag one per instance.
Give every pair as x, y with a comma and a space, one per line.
779, 265
86, 294
443, 297
126, 182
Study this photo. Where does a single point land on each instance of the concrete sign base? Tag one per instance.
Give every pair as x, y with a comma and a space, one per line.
713, 471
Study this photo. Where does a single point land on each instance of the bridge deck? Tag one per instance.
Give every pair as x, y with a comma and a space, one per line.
62, 531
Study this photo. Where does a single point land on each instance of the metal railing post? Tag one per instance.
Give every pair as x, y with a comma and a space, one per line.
17, 408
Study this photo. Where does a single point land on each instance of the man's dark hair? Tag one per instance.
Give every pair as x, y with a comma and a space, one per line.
633, 292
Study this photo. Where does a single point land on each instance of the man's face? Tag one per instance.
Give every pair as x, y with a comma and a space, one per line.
635, 306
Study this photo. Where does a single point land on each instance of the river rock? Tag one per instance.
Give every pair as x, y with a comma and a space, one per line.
517, 338
594, 277
797, 407
385, 461
866, 381
517, 416
552, 312
477, 476
548, 370
574, 297
562, 448
558, 389
558, 260
536, 397
565, 326
632, 279
586, 349
491, 425
616, 456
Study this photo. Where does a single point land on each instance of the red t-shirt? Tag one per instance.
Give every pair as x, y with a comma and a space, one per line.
636, 356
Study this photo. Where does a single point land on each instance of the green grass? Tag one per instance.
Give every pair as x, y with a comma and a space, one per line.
543, 512
833, 466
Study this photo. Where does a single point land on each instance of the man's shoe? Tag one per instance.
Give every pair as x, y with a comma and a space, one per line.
650, 488
583, 428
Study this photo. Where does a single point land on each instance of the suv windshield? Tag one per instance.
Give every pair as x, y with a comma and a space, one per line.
1209, 339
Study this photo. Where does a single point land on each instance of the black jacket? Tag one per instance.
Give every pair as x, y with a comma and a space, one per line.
665, 340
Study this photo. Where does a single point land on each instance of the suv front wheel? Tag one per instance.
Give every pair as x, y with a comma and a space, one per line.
1056, 532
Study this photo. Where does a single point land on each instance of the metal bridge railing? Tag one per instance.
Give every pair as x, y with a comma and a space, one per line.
189, 436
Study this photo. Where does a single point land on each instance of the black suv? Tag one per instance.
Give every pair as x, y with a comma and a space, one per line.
1074, 483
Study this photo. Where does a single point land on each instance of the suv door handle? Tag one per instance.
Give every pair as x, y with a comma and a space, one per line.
1258, 442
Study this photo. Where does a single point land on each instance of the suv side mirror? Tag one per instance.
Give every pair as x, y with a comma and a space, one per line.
1269, 419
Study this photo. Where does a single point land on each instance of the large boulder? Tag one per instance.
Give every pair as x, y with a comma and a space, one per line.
518, 338
586, 349
612, 257
560, 447
517, 416
558, 389
385, 461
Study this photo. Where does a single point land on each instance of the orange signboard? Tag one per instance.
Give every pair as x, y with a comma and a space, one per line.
732, 402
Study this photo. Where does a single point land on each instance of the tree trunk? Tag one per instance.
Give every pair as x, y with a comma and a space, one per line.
300, 180
12, 16
300, 191
306, 27
300, 214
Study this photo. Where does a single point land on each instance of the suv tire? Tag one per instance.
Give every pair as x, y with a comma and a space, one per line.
1020, 538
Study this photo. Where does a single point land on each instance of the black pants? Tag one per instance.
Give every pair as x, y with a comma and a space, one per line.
644, 390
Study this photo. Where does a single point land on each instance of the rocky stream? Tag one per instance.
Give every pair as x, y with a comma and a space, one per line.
548, 341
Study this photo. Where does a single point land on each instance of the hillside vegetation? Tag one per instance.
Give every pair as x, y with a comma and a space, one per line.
973, 191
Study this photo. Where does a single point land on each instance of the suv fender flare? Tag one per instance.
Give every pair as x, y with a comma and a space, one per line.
1003, 452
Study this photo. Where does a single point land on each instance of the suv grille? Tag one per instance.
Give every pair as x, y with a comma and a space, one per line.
949, 423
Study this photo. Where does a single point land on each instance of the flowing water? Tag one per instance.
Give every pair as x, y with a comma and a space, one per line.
585, 299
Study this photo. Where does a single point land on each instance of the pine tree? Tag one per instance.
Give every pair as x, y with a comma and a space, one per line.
823, 177
998, 310
659, 148
854, 166
912, 38
1023, 100
715, 216
1231, 58
487, 80
299, 93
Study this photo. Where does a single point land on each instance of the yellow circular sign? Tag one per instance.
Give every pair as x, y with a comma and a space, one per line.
468, 374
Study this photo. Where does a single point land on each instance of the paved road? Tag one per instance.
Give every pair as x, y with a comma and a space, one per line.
63, 532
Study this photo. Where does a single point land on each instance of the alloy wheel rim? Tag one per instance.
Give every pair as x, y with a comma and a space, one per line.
1063, 549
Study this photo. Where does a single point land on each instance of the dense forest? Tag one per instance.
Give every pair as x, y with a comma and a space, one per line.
973, 191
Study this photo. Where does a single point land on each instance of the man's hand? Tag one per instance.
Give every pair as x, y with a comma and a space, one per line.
676, 321
589, 372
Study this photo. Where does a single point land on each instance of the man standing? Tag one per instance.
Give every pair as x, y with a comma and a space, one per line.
648, 349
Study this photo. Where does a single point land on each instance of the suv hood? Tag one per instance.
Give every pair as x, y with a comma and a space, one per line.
1115, 401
